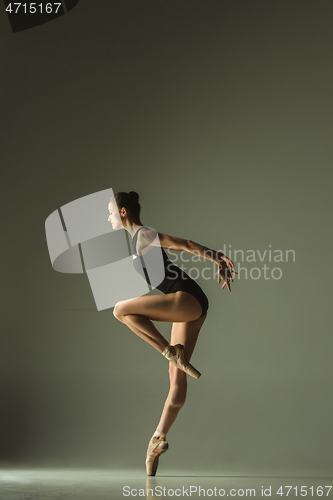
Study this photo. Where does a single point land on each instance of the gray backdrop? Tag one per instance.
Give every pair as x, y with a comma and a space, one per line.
219, 114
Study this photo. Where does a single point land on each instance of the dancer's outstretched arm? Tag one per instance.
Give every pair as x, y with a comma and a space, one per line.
149, 237
225, 265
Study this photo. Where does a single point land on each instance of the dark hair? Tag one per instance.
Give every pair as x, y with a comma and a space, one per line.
130, 201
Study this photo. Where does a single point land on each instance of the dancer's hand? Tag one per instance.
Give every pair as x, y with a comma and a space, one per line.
220, 257
225, 271
229, 262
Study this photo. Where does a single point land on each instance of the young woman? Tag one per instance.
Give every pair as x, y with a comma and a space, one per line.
183, 303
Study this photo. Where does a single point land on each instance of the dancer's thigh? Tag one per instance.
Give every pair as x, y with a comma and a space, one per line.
173, 307
186, 333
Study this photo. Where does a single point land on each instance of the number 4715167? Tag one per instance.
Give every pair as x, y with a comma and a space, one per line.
33, 7
303, 491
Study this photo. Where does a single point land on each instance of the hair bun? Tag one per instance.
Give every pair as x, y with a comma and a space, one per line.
134, 196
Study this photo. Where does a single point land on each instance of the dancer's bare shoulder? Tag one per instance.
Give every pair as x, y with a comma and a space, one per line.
152, 237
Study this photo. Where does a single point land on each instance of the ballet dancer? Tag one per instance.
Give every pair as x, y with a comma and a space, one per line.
183, 303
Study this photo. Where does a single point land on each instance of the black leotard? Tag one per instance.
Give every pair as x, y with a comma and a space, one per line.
175, 279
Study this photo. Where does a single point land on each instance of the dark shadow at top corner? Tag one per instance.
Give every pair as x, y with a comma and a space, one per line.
70, 4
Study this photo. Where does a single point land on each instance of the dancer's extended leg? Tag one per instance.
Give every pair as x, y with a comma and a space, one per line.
186, 334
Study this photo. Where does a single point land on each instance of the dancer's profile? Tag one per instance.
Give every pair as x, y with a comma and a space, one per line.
183, 303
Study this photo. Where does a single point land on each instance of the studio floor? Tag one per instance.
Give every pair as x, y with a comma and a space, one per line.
88, 484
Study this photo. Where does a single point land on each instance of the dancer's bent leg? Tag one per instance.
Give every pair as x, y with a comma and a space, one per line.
145, 329
137, 314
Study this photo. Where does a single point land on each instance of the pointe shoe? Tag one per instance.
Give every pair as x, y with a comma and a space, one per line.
157, 446
175, 353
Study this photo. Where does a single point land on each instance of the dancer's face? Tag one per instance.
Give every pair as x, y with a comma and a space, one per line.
114, 215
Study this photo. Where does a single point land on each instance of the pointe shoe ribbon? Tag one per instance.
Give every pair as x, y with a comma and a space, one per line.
175, 353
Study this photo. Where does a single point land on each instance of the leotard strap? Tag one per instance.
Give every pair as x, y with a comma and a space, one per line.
134, 240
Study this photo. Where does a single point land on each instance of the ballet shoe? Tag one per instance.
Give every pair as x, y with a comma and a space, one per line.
157, 446
175, 354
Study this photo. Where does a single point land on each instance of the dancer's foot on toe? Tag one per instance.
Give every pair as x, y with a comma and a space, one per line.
157, 446
175, 354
